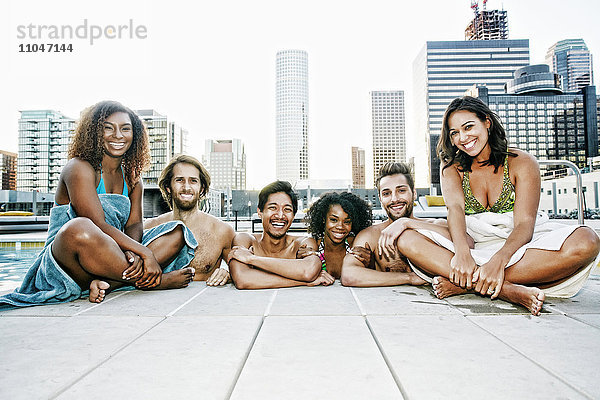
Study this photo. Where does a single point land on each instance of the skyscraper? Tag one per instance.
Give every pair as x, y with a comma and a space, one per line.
358, 168
8, 170
165, 139
44, 137
388, 122
291, 132
487, 25
571, 59
542, 120
445, 70
225, 161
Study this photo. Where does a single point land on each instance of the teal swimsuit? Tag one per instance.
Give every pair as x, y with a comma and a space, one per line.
100, 189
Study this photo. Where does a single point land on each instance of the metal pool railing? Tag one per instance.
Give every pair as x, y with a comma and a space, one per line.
578, 183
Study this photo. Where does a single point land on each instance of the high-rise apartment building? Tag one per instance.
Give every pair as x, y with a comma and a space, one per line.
571, 59
291, 132
8, 170
44, 137
225, 161
488, 25
545, 121
445, 70
388, 124
165, 139
358, 168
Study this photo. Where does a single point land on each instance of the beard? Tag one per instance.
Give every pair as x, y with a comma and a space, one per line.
407, 212
185, 205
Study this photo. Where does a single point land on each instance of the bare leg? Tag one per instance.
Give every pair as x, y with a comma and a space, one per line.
86, 253
165, 250
537, 267
543, 267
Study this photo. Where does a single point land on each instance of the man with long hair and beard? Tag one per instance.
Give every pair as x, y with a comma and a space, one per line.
270, 259
184, 182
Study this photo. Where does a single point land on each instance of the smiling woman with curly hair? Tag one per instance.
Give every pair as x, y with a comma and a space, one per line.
88, 142
95, 236
334, 220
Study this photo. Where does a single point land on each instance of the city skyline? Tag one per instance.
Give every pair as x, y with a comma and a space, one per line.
226, 84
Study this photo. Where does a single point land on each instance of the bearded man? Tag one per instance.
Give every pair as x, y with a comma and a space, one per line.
184, 182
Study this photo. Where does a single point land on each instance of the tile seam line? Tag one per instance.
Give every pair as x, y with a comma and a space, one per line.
380, 347
575, 318
552, 373
571, 316
187, 302
251, 346
99, 304
104, 361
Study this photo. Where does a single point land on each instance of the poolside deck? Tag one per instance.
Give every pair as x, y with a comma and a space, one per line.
302, 343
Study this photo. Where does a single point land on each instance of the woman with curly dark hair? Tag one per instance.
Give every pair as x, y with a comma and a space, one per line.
334, 220
95, 236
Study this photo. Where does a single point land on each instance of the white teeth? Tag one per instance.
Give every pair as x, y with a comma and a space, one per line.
469, 145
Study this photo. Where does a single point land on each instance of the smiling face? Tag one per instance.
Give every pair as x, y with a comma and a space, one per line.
469, 134
277, 215
337, 224
117, 134
395, 196
185, 186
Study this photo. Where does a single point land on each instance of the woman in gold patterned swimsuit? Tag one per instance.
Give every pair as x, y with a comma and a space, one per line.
482, 179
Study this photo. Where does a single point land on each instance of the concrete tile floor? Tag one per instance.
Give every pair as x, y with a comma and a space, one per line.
301, 343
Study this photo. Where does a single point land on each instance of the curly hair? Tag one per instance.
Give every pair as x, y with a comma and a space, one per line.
87, 141
164, 182
449, 154
359, 211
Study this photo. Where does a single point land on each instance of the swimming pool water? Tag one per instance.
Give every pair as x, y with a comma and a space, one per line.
14, 265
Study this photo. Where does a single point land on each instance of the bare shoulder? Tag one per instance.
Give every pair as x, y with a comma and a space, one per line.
161, 219
523, 163
244, 239
222, 229
369, 235
309, 241
77, 166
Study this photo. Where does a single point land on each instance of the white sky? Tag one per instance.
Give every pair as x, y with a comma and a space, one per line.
210, 65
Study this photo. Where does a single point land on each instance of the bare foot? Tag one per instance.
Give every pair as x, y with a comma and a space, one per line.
98, 290
443, 288
177, 279
531, 298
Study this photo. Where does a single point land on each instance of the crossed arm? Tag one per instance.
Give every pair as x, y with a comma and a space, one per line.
250, 271
354, 272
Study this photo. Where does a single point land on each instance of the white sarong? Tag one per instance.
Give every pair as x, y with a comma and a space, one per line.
490, 231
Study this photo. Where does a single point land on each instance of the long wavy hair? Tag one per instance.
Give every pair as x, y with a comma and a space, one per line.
357, 209
88, 138
449, 154
164, 182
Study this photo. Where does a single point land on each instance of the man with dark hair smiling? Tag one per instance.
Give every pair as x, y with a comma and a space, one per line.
397, 195
269, 260
184, 182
